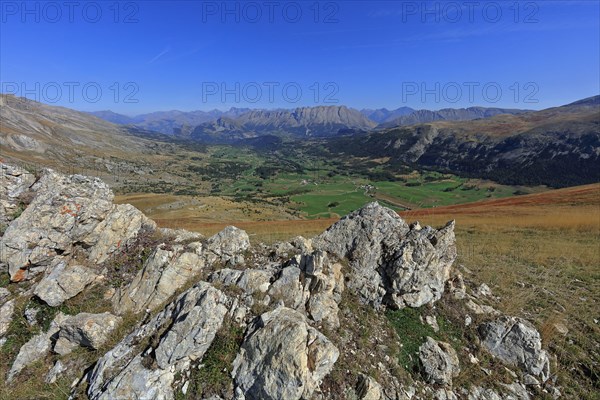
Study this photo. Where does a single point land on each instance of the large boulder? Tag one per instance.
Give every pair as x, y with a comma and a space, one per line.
63, 282
227, 246
390, 261
85, 330
183, 331
516, 342
439, 362
67, 211
120, 228
313, 284
163, 273
282, 357
64, 211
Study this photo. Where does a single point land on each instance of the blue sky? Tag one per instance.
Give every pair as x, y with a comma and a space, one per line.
142, 56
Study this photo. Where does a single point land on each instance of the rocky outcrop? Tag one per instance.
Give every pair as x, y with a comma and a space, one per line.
163, 273
121, 225
282, 357
183, 332
66, 211
170, 267
517, 342
312, 284
265, 321
439, 361
389, 261
228, 246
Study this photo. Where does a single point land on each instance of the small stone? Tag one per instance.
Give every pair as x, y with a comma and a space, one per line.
55, 372
440, 362
432, 321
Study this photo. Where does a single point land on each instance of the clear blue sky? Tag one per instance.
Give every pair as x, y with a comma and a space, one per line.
178, 55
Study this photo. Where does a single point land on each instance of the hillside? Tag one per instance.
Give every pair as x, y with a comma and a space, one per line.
448, 114
557, 147
97, 302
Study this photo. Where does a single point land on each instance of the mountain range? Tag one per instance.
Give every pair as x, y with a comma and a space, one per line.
558, 146
239, 123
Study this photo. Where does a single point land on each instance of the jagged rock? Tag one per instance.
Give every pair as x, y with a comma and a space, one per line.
228, 246
68, 211
250, 280
63, 282
55, 372
4, 294
440, 362
86, 330
312, 284
369, 389
163, 273
120, 228
516, 391
282, 357
6, 313
362, 236
325, 283
288, 287
419, 267
64, 211
184, 330
405, 266
302, 244
14, 181
517, 342
37, 347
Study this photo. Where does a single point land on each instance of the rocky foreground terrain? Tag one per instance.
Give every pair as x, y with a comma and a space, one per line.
122, 309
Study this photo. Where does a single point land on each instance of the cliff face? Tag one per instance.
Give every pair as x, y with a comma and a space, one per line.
322, 121
124, 309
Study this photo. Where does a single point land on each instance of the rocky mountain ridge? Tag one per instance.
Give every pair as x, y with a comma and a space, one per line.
448, 114
557, 147
240, 123
166, 314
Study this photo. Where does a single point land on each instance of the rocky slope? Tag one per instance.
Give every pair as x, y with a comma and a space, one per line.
558, 147
303, 121
447, 114
101, 297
